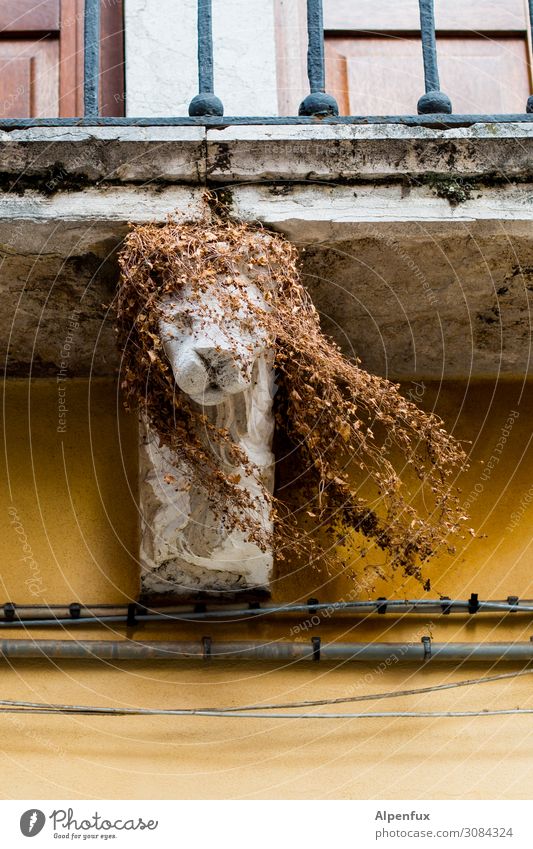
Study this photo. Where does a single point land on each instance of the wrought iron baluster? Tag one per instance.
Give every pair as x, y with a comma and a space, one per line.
529, 106
434, 101
91, 58
206, 102
317, 102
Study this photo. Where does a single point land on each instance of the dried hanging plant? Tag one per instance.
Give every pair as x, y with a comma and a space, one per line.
342, 425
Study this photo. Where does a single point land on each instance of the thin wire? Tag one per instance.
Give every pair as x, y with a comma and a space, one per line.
369, 697
233, 715
15, 705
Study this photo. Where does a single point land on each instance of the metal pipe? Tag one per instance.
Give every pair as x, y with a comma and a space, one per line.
205, 102
317, 102
434, 101
17, 616
91, 58
207, 649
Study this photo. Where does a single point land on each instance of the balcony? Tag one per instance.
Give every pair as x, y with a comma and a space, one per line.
415, 230
416, 236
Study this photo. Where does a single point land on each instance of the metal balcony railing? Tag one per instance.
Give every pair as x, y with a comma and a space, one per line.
434, 106
320, 105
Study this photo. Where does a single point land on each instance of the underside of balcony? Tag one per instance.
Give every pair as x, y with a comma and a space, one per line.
416, 241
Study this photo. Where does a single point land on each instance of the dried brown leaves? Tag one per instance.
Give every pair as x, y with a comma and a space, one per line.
342, 424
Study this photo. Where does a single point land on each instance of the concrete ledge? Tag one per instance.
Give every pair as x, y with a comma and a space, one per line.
53, 159
72, 223
370, 152
314, 213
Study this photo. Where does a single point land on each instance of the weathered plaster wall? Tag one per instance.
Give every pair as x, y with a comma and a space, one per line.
69, 492
79, 518
161, 73
47, 298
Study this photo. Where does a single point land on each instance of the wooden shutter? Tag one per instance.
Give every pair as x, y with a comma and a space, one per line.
41, 58
374, 58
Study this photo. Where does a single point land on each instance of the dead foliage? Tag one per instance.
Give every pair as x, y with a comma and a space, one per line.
343, 425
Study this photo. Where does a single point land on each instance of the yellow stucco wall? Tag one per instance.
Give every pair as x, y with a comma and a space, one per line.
73, 494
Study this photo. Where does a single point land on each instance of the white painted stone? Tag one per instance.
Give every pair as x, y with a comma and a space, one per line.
228, 372
92, 220
245, 56
51, 156
262, 153
161, 45
329, 152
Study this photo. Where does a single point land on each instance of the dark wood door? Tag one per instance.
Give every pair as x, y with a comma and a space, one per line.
374, 58
41, 58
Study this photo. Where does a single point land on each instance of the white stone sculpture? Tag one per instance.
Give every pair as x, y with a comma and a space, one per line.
226, 369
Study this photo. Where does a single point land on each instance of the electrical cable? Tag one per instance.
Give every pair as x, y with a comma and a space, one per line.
370, 697
229, 614
235, 715
19, 706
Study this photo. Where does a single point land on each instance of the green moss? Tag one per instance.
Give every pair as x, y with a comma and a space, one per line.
454, 189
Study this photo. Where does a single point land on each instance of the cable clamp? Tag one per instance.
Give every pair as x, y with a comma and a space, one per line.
426, 642
473, 603
513, 601
382, 608
316, 642
131, 619
206, 647
9, 611
446, 608
74, 610
312, 605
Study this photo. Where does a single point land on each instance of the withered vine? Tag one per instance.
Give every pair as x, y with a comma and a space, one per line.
342, 425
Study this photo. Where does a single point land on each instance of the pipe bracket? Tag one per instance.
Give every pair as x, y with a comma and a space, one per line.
446, 608
74, 610
206, 647
131, 619
9, 611
473, 603
312, 605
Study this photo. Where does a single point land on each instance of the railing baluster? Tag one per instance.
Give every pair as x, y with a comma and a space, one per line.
434, 101
91, 58
317, 102
206, 102
529, 106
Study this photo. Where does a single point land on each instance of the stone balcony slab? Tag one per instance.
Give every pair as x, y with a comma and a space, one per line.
343, 152
418, 241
